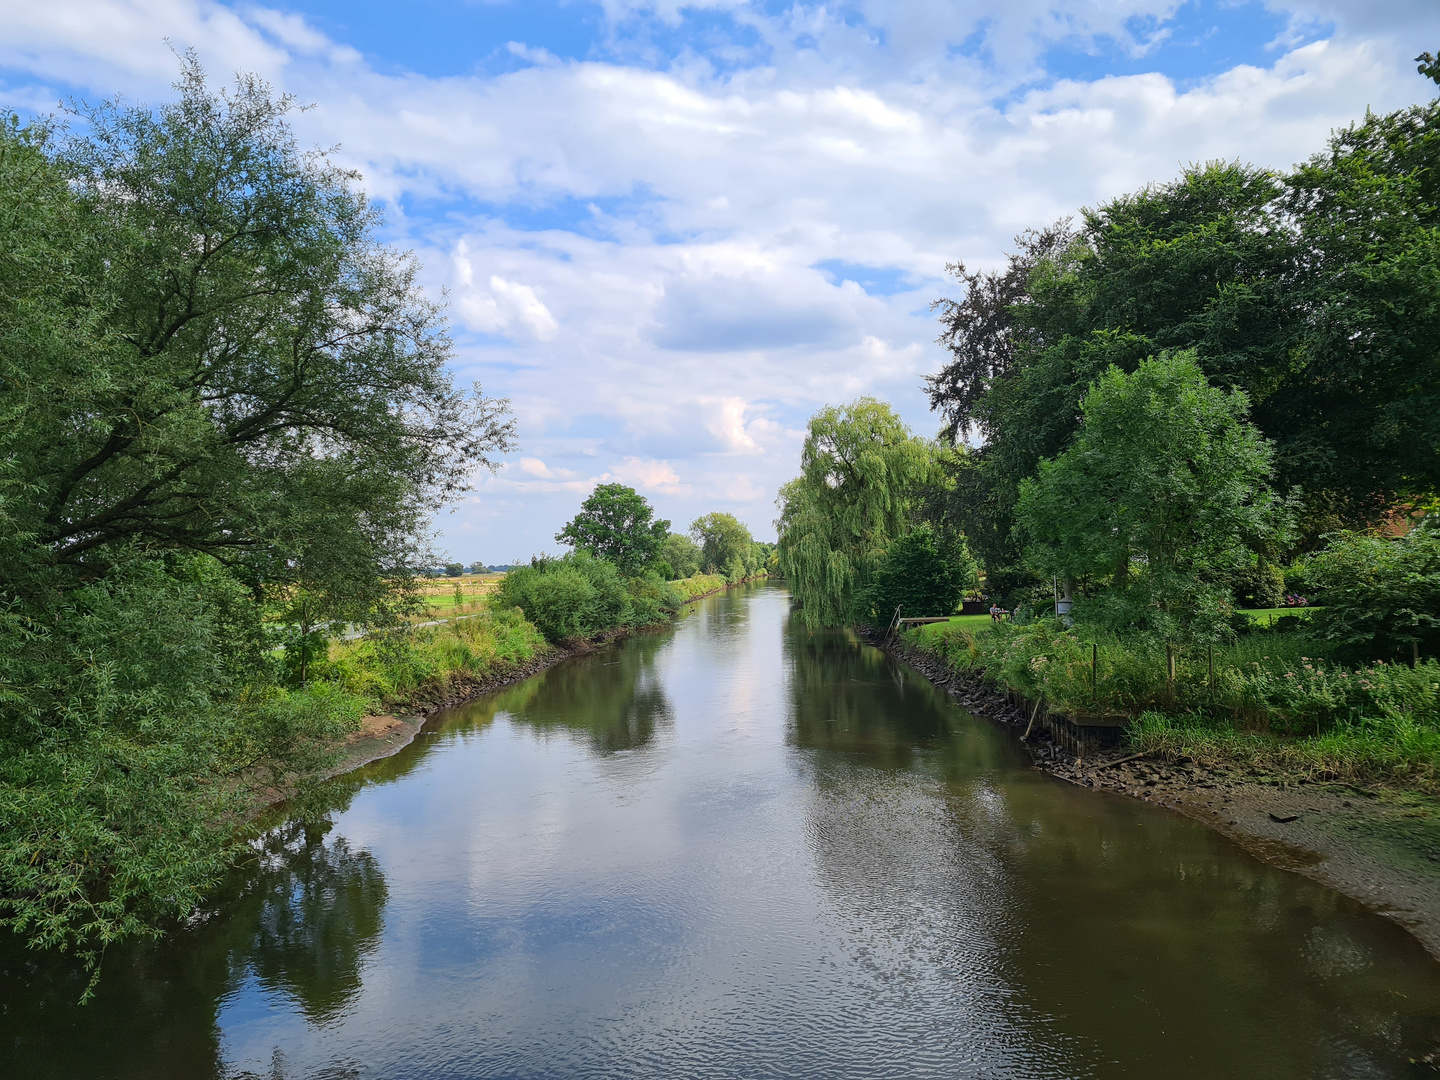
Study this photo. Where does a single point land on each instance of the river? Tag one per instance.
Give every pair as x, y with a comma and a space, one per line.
737, 850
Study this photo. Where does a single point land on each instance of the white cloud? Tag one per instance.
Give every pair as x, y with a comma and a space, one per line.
664, 323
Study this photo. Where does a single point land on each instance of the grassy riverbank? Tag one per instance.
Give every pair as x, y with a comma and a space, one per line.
409, 667
1269, 702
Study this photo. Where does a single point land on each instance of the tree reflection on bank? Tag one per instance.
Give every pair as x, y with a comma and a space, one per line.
299, 918
613, 698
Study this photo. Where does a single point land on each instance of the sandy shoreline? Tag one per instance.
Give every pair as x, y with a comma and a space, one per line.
1380, 847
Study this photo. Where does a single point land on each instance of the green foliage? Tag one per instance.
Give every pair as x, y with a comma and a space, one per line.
683, 555
1379, 719
390, 667
1428, 64
1164, 483
616, 524
127, 755
1380, 597
725, 545
238, 368
687, 589
862, 476
581, 596
221, 398
922, 572
1313, 292
1261, 584
1377, 748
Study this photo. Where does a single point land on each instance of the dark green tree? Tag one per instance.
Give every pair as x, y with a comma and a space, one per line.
617, 524
924, 573
1312, 291
1165, 483
218, 391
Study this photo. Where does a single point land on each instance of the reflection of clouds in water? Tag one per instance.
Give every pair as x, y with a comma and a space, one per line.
919, 904
913, 871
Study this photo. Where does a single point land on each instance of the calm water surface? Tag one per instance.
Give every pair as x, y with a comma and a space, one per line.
739, 851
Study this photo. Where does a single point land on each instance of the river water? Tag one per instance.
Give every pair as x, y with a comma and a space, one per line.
738, 850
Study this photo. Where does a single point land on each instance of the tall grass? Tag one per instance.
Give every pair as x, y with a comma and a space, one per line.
1267, 694
389, 667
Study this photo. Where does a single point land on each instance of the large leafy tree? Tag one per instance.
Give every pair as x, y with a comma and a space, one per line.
1166, 480
221, 358
616, 523
1314, 291
217, 389
725, 543
862, 477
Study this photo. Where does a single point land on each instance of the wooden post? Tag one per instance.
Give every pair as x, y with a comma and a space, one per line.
1415, 654
1094, 674
1169, 663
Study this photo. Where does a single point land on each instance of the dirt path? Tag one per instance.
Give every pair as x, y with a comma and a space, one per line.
1379, 846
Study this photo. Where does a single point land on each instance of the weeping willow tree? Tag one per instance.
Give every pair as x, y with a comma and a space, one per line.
862, 475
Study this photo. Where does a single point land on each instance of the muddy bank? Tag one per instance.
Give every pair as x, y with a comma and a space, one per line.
1379, 846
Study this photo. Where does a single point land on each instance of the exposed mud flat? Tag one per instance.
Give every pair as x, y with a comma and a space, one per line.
1379, 846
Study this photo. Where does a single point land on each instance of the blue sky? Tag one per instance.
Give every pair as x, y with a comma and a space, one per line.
670, 231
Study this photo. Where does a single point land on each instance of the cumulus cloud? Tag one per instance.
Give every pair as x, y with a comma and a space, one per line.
647, 250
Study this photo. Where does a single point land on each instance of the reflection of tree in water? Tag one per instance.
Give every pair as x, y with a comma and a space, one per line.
849, 697
975, 897
614, 697
311, 915
301, 916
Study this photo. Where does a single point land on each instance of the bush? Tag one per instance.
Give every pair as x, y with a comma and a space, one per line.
1163, 606
581, 596
1260, 585
921, 573
1379, 597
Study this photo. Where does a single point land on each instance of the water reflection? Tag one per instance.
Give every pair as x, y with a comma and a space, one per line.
316, 911
614, 698
737, 850
297, 920
1047, 908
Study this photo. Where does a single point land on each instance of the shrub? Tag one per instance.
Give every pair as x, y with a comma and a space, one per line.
1379, 597
1260, 585
921, 572
581, 596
